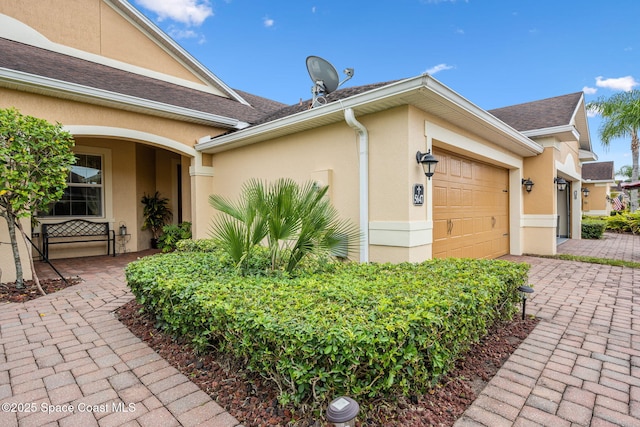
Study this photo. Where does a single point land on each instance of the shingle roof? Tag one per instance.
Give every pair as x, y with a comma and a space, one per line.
333, 96
41, 62
542, 114
598, 171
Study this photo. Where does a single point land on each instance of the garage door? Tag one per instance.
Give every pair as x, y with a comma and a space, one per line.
470, 208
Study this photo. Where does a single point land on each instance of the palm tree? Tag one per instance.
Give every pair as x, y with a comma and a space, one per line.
296, 221
621, 119
625, 171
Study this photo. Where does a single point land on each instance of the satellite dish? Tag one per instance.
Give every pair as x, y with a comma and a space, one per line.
322, 72
325, 78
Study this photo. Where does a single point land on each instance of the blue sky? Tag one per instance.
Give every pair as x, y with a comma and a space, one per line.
494, 53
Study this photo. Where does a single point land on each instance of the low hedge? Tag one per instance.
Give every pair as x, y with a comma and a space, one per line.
593, 228
364, 330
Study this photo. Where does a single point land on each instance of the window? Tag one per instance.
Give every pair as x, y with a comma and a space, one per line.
84, 193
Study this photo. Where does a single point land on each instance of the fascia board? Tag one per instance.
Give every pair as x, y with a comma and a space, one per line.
133, 13
585, 155
551, 131
598, 181
483, 115
419, 83
40, 84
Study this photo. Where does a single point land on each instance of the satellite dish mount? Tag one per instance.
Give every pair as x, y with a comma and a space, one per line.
325, 79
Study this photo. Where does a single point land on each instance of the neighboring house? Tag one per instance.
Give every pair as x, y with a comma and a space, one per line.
598, 178
147, 116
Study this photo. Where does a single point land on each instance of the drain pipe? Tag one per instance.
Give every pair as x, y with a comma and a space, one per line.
363, 137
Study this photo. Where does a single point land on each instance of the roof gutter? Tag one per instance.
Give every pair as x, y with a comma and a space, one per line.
363, 139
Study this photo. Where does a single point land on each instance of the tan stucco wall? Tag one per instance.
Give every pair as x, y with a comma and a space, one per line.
95, 27
596, 203
541, 170
330, 152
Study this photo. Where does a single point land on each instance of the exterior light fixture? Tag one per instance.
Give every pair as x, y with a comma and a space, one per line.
342, 412
562, 183
428, 163
527, 184
585, 191
123, 229
524, 290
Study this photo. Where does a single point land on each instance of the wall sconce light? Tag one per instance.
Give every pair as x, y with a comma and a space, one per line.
524, 290
342, 412
562, 183
428, 163
528, 184
585, 191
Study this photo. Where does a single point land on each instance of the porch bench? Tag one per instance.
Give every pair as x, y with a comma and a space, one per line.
77, 231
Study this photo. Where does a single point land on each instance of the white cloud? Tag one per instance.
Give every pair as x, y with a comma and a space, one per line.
438, 68
626, 83
178, 34
189, 12
460, 31
589, 90
313, 9
268, 22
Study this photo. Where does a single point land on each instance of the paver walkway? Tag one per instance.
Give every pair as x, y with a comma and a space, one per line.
581, 364
66, 361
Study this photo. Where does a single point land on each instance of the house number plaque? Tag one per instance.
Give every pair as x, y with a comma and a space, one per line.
418, 194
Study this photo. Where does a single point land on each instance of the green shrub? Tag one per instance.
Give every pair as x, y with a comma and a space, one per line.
617, 224
593, 229
365, 330
198, 245
172, 234
624, 222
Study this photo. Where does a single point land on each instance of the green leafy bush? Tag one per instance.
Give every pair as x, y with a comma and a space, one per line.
172, 234
593, 228
365, 330
197, 245
624, 222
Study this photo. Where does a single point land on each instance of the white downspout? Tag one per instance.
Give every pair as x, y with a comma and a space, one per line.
363, 136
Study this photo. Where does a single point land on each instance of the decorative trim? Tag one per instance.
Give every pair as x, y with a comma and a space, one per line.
132, 135
401, 234
539, 221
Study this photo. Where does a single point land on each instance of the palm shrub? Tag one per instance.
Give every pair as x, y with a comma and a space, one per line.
296, 222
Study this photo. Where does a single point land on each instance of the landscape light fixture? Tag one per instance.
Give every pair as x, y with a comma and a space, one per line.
342, 412
585, 191
527, 184
562, 183
123, 229
524, 290
428, 163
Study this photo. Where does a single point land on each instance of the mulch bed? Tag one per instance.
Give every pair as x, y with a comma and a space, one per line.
9, 292
253, 400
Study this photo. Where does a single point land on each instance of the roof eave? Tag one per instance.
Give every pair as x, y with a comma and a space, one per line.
587, 156
60, 89
421, 91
